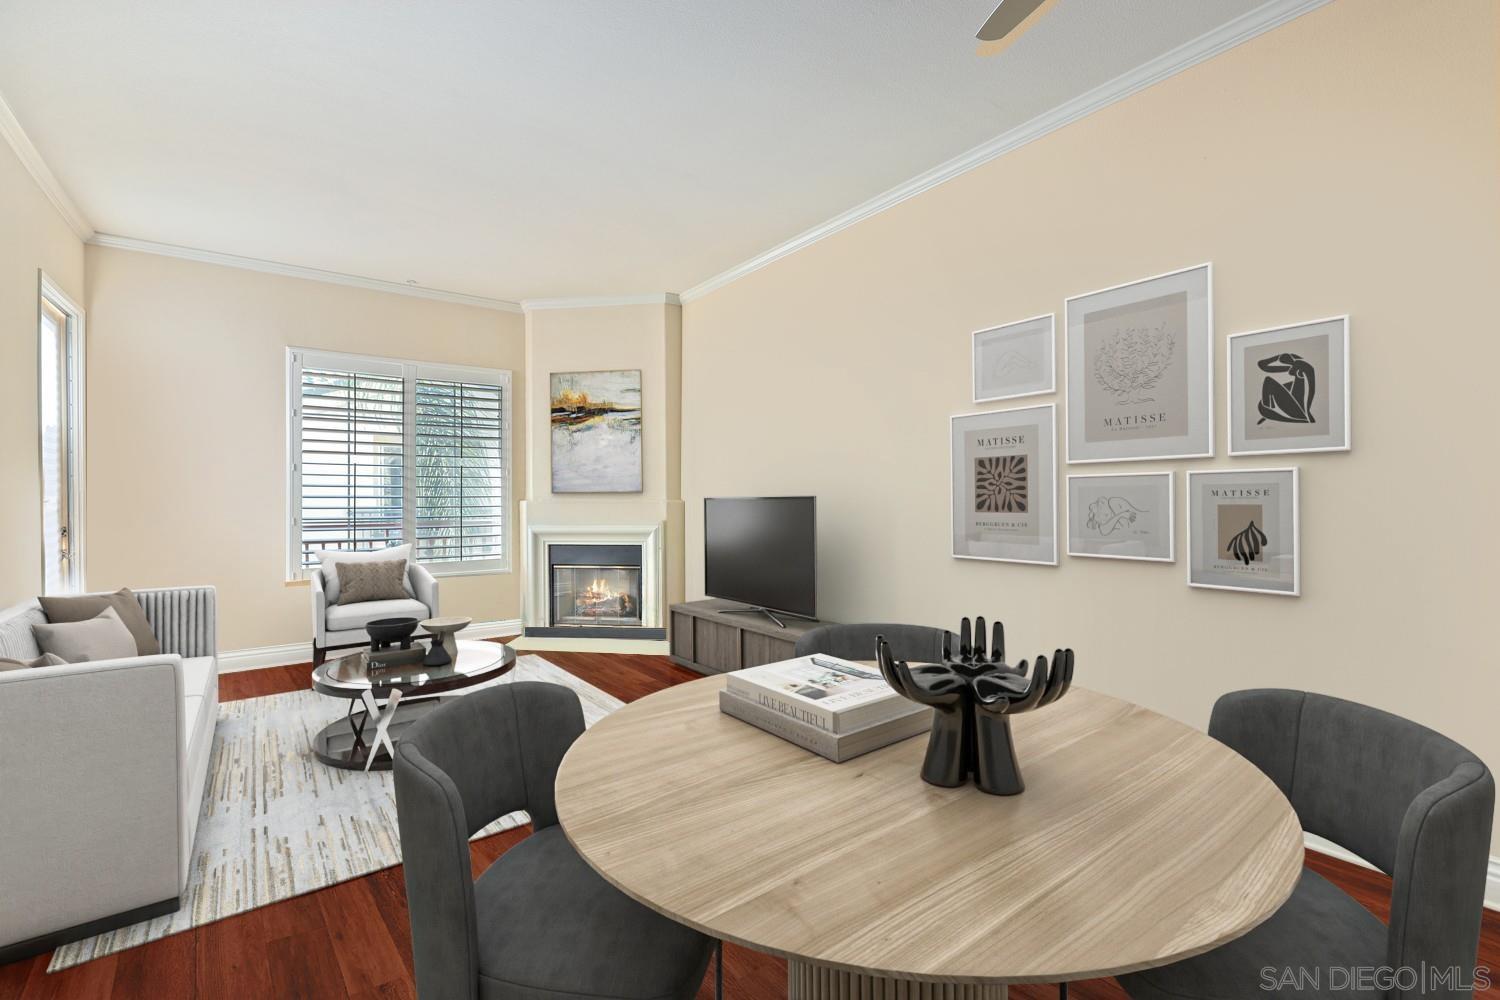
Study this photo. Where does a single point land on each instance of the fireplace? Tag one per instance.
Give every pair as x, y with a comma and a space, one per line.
594, 582
594, 587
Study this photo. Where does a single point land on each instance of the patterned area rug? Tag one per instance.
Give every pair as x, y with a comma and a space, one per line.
277, 823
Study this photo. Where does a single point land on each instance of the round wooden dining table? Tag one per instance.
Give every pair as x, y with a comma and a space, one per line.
1138, 841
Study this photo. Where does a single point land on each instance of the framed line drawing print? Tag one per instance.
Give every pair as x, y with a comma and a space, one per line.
1003, 490
1289, 388
1140, 363
1016, 359
1122, 516
1243, 527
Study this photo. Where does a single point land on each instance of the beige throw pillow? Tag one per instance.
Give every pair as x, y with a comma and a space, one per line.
330, 560
86, 606
101, 638
372, 581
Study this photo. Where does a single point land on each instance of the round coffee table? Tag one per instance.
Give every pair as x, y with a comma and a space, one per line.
407, 692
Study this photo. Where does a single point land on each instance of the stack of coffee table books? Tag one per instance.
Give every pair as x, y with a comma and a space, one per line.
836, 708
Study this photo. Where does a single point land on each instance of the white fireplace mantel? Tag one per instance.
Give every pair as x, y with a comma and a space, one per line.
534, 607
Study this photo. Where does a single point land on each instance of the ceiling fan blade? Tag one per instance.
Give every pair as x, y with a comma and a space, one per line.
1007, 23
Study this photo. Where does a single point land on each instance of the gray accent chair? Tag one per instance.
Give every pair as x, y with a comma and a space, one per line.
917, 643
539, 924
342, 626
1406, 799
102, 773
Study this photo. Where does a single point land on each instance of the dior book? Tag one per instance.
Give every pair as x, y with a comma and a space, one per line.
824, 692
837, 747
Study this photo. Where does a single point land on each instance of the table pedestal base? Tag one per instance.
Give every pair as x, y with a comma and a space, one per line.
807, 981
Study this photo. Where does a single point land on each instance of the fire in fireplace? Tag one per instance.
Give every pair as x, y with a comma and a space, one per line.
595, 585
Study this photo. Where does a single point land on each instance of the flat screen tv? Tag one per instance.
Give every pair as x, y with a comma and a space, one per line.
762, 551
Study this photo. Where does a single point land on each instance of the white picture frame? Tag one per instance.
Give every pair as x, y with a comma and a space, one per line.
1142, 522
1155, 420
1019, 445
1002, 357
1218, 573
1330, 390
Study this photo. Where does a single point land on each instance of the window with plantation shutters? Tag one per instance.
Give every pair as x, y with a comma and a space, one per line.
384, 452
460, 506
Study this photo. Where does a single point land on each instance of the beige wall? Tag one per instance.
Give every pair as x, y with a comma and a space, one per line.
601, 338
32, 236
1345, 162
187, 425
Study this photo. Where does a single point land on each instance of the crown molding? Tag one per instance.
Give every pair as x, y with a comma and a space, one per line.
10, 127
1243, 28
298, 271
599, 301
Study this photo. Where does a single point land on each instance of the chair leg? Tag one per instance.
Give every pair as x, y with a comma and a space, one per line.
718, 970
1062, 991
318, 656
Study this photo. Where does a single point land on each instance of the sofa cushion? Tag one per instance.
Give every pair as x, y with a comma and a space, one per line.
103, 637
45, 660
345, 617
362, 582
330, 558
82, 607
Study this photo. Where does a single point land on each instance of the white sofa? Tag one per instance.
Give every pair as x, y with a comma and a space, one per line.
342, 626
102, 773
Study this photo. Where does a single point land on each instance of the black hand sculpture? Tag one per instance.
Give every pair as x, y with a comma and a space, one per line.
947, 761
974, 695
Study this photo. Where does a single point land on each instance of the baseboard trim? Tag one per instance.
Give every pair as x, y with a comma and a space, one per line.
254, 658
1491, 884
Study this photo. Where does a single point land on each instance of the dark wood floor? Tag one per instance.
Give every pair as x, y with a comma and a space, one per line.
352, 940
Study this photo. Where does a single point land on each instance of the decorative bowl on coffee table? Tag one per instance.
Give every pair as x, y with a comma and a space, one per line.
385, 631
444, 632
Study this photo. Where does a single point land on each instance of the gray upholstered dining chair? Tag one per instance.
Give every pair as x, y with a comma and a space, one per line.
917, 643
539, 923
1408, 800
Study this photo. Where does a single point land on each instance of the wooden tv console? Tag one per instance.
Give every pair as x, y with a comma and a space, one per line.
709, 641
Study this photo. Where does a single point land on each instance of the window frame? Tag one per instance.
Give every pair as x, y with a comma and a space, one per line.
49, 293
410, 371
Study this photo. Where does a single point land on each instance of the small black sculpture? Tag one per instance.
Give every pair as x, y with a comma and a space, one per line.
973, 696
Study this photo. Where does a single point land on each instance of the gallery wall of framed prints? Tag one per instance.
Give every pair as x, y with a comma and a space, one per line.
1138, 374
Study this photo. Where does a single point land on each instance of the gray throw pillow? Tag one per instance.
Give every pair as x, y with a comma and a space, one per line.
45, 660
85, 606
330, 560
103, 637
371, 581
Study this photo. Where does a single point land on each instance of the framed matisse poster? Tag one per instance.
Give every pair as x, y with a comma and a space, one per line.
1016, 359
1004, 485
1125, 516
1140, 362
1289, 388
1243, 531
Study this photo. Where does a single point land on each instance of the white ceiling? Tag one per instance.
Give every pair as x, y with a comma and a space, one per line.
531, 148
